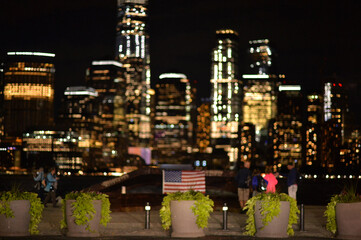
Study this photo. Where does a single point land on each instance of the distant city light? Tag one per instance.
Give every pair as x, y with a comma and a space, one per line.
172, 75
109, 62
254, 76
289, 88
32, 54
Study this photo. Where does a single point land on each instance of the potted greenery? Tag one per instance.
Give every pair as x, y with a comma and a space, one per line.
187, 213
20, 213
343, 214
83, 212
271, 215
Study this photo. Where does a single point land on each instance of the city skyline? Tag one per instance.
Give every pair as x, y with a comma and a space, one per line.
313, 40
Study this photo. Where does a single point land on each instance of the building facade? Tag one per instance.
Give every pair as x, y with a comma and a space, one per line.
225, 94
288, 131
132, 50
107, 77
173, 127
28, 92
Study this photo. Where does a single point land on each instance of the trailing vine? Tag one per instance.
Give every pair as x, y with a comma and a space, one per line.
83, 209
35, 211
270, 208
202, 208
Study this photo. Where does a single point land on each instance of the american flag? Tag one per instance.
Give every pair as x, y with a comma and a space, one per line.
174, 181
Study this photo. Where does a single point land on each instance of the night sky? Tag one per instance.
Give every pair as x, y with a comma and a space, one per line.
313, 39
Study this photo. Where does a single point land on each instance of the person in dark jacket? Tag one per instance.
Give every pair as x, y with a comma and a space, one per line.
292, 180
243, 179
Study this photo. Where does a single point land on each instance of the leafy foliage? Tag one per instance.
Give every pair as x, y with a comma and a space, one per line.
270, 208
349, 195
36, 208
83, 209
202, 208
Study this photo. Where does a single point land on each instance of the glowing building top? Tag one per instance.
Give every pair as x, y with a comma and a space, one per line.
261, 56
131, 38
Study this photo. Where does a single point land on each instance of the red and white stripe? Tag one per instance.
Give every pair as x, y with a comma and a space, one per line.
191, 180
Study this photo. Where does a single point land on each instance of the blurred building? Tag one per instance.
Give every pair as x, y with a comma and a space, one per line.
79, 113
132, 50
28, 92
225, 94
1, 100
287, 136
48, 148
247, 142
173, 125
314, 121
203, 126
108, 79
350, 153
334, 109
260, 88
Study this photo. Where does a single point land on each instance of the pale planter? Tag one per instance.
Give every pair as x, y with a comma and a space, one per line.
183, 220
75, 230
19, 224
277, 228
348, 220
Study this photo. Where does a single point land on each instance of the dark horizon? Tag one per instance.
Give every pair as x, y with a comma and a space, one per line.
313, 40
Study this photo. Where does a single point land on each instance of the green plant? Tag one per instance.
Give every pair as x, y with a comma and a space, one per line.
36, 208
348, 195
202, 208
83, 209
270, 208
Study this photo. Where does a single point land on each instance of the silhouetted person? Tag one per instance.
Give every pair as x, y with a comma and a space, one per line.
39, 183
243, 179
292, 180
51, 185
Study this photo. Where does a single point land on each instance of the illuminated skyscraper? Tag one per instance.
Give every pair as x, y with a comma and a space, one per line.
107, 78
173, 125
247, 145
132, 50
28, 91
225, 94
287, 138
313, 129
334, 108
260, 88
334, 104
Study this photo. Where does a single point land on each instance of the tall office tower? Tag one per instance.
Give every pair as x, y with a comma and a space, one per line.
79, 113
287, 138
203, 126
28, 91
225, 94
314, 120
334, 104
173, 125
334, 108
107, 78
260, 88
132, 50
247, 142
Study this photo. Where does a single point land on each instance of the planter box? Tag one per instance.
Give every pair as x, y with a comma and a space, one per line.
183, 220
348, 220
75, 230
19, 224
277, 228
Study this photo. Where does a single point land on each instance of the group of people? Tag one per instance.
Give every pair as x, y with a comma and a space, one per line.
246, 181
46, 184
